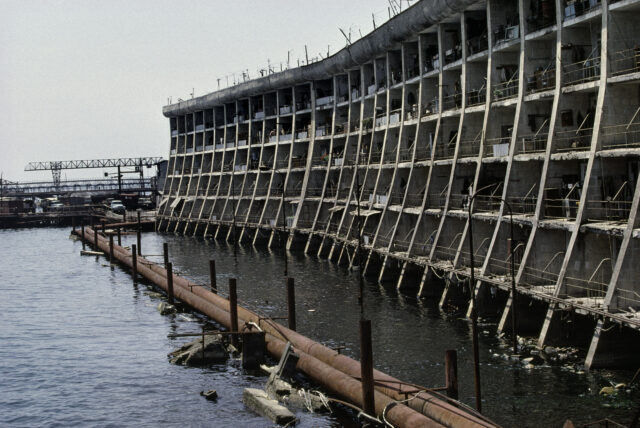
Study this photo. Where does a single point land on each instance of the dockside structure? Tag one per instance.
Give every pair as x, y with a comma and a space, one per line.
532, 102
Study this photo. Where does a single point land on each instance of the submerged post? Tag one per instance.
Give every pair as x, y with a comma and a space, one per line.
291, 303
119, 237
233, 310
212, 276
451, 373
170, 281
165, 254
111, 248
134, 263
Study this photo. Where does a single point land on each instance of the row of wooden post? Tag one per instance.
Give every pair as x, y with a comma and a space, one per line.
366, 354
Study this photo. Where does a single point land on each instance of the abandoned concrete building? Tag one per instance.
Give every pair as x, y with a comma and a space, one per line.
524, 112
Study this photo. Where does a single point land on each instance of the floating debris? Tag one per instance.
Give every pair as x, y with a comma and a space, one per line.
166, 308
211, 395
195, 354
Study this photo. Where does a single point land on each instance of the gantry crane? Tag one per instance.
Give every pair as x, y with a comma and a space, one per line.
56, 166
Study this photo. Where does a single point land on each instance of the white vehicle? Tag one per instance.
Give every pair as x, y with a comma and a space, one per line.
117, 207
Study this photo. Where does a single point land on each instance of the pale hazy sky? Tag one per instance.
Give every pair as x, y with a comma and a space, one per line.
86, 79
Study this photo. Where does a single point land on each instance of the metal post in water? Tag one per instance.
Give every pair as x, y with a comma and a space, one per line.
514, 331
139, 236
366, 368
451, 373
170, 281
233, 310
474, 313
134, 263
212, 276
119, 237
111, 248
291, 303
165, 253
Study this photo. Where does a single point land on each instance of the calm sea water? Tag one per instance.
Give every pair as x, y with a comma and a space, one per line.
81, 345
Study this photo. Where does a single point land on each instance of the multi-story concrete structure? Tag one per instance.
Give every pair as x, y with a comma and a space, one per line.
532, 102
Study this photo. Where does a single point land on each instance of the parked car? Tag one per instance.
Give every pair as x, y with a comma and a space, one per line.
117, 207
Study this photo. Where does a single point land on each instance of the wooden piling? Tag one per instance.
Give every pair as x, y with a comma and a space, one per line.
95, 238
233, 310
83, 238
111, 259
119, 236
170, 281
134, 263
212, 276
291, 303
366, 368
451, 373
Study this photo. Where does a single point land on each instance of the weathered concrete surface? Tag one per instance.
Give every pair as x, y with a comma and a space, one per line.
286, 393
259, 402
192, 353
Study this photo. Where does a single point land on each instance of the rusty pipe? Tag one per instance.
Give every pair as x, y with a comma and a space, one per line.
425, 403
340, 383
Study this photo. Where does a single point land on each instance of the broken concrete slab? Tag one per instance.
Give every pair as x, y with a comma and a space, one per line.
195, 354
259, 402
286, 393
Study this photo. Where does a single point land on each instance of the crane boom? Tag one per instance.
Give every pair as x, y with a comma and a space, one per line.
92, 163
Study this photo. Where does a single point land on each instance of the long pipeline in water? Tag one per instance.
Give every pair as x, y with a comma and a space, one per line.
318, 361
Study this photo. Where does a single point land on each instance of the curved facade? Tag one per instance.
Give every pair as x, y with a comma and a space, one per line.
535, 103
